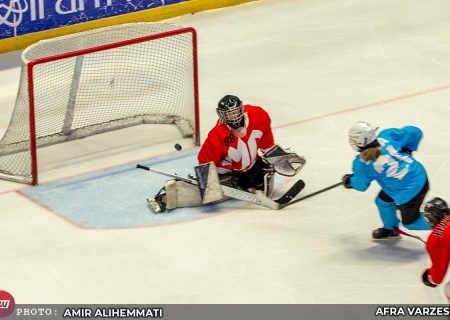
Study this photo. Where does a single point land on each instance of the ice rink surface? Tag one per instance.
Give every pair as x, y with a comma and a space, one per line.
317, 66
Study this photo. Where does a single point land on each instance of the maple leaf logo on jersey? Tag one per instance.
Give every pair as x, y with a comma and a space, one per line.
246, 152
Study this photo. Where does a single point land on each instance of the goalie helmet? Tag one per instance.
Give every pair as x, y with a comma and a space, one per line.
362, 136
435, 210
230, 111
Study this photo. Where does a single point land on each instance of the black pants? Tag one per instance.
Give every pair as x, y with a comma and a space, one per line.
409, 211
252, 178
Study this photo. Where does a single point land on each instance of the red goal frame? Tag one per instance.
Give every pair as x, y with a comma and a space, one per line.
32, 64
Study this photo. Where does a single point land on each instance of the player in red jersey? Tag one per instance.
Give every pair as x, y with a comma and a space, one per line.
237, 145
233, 143
438, 243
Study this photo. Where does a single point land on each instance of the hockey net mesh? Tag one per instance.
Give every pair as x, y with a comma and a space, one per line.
92, 92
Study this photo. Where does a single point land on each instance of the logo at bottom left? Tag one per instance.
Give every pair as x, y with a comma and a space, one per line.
7, 304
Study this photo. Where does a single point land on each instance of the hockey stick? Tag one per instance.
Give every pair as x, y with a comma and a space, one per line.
311, 194
257, 198
409, 235
170, 175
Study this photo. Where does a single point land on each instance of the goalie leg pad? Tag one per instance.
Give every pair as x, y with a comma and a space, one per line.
181, 194
208, 183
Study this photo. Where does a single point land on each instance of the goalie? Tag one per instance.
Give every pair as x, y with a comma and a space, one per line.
242, 148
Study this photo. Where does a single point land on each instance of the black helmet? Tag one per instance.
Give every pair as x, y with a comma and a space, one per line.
230, 111
435, 210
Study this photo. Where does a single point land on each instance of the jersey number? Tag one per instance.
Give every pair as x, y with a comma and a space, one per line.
393, 170
229, 139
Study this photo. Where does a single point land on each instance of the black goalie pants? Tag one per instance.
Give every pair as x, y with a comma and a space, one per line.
252, 178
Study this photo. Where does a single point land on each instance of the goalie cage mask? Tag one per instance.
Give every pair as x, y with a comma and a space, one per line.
435, 210
230, 111
362, 136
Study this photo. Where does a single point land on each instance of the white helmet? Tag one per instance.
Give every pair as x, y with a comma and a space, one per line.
361, 135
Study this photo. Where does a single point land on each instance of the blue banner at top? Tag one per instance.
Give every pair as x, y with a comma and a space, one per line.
19, 17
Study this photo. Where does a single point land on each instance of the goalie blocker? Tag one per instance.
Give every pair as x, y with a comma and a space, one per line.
208, 188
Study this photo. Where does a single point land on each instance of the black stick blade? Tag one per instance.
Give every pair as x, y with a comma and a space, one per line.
292, 192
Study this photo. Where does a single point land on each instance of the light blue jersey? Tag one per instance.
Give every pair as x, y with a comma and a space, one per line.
399, 175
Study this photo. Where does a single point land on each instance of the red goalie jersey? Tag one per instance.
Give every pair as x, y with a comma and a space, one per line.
237, 150
438, 247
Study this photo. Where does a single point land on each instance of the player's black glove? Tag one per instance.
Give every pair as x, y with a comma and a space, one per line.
346, 180
426, 280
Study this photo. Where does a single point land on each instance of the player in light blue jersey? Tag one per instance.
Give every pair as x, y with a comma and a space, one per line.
387, 158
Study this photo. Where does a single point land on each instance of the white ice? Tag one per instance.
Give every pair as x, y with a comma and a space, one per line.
317, 66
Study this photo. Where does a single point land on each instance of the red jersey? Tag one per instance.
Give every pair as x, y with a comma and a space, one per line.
230, 152
438, 247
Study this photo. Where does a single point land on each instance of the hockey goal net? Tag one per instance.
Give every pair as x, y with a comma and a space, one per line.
100, 80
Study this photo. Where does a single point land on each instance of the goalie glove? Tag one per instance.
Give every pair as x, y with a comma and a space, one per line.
283, 162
